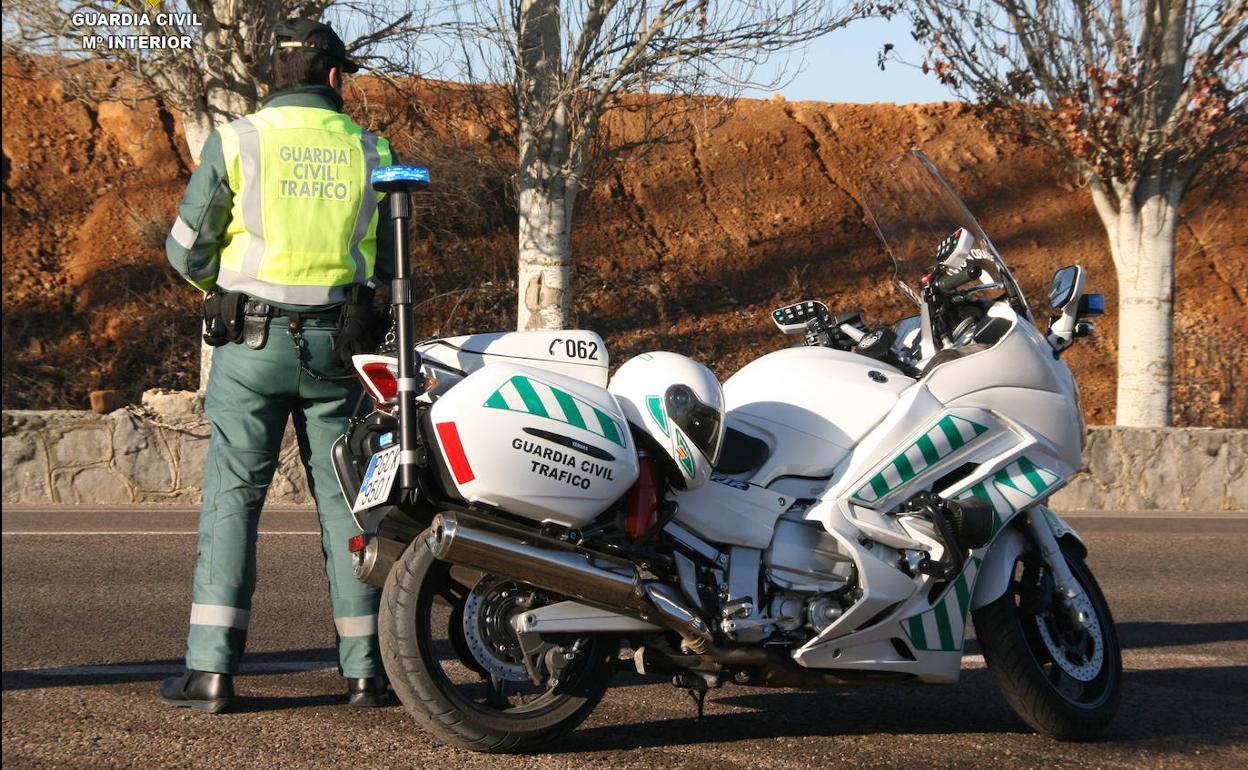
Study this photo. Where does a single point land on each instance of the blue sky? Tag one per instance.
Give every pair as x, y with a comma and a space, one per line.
840, 67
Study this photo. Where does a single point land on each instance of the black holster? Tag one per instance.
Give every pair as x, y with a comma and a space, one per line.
359, 327
256, 317
223, 317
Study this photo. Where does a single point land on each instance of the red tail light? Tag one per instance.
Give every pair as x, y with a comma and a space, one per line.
643, 500
382, 380
356, 544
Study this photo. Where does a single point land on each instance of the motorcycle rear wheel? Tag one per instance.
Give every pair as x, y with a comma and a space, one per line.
1063, 678
432, 669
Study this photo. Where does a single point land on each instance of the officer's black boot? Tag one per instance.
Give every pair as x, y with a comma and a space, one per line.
200, 690
367, 692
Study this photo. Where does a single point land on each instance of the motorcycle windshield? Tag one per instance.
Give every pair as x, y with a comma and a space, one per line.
913, 209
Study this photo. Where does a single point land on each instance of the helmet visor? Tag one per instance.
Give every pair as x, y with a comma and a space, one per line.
699, 421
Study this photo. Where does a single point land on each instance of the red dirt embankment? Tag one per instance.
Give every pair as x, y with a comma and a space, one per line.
686, 247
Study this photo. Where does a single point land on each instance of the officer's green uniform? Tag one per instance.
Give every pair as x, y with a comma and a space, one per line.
280, 209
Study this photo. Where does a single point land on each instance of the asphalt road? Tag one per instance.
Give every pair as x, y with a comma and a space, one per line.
95, 608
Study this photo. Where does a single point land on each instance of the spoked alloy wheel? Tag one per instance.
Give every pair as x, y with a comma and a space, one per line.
1058, 663
458, 667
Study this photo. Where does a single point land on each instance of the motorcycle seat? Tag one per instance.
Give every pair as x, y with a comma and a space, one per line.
741, 453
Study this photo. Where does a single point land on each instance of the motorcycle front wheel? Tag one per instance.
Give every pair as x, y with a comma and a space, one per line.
457, 666
1059, 665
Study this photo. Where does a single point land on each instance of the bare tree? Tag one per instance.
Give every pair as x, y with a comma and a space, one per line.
1144, 99
566, 65
222, 73
219, 69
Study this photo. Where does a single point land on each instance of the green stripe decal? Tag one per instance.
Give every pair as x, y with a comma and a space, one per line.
531, 396
609, 430
655, 405
1003, 477
951, 433
964, 594
568, 405
496, 401
903, 467
917, 635
933, 450
879, 486
1029, 471
531, 401
1008, 494
928, 449
942, 626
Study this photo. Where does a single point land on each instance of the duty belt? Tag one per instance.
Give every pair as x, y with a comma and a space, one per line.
256, 315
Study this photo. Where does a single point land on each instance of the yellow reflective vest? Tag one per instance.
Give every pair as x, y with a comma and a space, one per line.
303, 227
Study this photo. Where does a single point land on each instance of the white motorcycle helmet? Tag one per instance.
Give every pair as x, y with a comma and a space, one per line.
680, 404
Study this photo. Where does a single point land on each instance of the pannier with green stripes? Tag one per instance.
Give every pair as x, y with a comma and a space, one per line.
535, 443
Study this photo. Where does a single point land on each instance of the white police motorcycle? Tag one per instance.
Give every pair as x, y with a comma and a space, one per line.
832, 515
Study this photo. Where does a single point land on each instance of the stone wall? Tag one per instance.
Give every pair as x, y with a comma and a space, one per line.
1171, 469
155, 454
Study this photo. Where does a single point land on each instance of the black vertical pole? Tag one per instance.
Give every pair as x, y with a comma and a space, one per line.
401, 300
400, 182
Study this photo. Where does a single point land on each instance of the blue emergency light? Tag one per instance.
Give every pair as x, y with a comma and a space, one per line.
400, 178
1091, 305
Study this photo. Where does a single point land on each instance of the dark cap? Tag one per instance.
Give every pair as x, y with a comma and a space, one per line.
305, 33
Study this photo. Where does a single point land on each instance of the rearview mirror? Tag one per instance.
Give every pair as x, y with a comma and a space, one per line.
1065, 294
1062, 290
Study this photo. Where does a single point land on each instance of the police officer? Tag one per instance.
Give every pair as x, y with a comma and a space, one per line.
281, 229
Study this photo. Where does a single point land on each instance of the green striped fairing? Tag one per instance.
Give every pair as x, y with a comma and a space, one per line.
1012, 489
943, 627
947, 436
525, 394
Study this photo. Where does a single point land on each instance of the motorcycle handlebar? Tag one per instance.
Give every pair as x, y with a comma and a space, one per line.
950, 283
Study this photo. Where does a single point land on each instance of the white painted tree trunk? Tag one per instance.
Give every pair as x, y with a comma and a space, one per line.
1141, 237
196, 129
545, 258
546, 198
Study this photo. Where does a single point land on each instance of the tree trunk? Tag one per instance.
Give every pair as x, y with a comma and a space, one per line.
196, 128
223, 106
545, 206
1141, 237
545, 256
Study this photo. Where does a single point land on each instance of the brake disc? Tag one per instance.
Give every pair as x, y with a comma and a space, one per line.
487, 614
1078, 649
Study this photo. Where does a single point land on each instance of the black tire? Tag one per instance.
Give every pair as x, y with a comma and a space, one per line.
435, 681
1012, 631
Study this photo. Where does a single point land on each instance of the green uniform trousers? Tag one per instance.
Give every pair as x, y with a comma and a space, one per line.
251, 393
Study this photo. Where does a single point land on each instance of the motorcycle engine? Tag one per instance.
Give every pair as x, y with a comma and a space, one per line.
803, 557
807, 579
793, 611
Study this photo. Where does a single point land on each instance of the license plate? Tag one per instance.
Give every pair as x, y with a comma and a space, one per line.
378, 479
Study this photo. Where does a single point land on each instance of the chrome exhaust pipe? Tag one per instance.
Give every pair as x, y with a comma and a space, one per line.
605, 581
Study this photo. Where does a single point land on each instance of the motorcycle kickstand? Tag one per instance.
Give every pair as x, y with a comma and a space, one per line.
697, 686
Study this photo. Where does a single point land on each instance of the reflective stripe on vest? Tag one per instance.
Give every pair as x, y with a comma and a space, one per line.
304, 223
